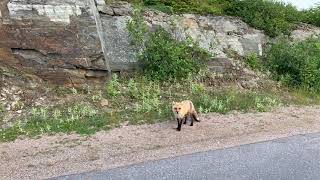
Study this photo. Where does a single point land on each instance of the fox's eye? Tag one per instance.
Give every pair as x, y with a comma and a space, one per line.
179, 108
175, 108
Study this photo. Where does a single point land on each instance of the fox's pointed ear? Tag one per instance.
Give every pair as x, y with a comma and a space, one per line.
173, 102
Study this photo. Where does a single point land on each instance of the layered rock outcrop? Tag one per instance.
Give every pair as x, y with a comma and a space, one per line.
58, 40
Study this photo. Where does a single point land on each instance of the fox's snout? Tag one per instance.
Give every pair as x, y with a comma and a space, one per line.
176, 110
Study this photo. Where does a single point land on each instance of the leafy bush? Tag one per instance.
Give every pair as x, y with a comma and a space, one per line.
113, 86
161, 56
312, 16
149, 98
165, 58
137, 28
296, 64
274, 17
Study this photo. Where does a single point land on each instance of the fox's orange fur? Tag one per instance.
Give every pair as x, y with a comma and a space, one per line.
182, 110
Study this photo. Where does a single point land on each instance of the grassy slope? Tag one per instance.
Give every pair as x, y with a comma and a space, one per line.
138, 101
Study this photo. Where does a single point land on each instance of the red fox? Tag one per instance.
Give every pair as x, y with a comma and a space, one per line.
182, 110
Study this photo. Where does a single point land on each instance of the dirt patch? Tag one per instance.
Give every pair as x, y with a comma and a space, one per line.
67, 154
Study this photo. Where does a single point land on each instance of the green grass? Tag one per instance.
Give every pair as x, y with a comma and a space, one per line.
301, 97
80, 119
139, 101
226, 101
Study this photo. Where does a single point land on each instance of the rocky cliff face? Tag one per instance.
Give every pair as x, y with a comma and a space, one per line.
61, 41
57, 40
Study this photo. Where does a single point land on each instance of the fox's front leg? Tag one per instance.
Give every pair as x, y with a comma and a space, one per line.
179, 124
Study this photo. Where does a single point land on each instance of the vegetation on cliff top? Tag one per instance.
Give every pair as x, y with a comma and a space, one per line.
274, 17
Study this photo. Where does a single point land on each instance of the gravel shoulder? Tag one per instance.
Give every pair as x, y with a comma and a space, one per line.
51, 156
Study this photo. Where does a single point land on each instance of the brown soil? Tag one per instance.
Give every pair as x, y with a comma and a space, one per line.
67, 154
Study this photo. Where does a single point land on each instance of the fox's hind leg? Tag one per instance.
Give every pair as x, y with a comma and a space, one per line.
191, 121
185, 120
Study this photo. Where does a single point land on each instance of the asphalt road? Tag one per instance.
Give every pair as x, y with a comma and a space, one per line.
292, 158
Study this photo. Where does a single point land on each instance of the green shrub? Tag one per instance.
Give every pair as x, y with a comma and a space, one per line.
312, 16
133, 89
160, 55
165, 58
197, 88
296, 64
274, 17
137, 28
149, 98
113, 87
254, 62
